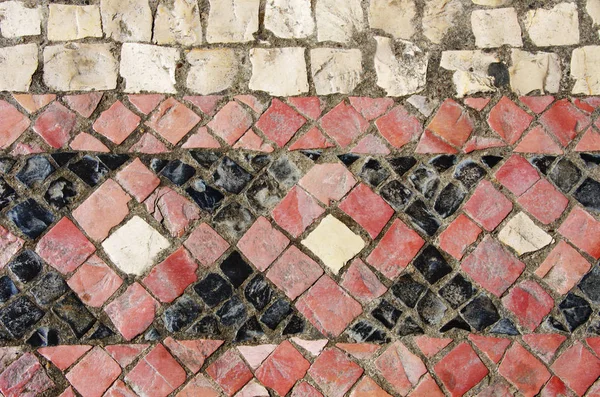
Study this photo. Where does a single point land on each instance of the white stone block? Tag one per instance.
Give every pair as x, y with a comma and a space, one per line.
553, 27
585, 70
151, 68
232, 21
402, 71
339, 20
279, 71
496, 27
335, 70
289, 18
70, 22
18, 20
534, 71
211, 70
127, 20
17, 66
395, 17
178, 22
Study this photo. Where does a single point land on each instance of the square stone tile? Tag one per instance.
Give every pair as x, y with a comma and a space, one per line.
173, 120
94, 282
529, 303
473, 370
583, 230
487, 206
294, 272
262, 243
13, 124
86, 377
523, 370
171, 277
523, 235
327, 182
296, 211
231, 122
367, 209
283, 368
205, 244
137, 180
577, 367
133, 311
230, 372
563, 268
328, 367
564, 121
509, 120
452, 122
399, 366
173, 210
517, 175
117, 123
362, 283
280, 122
25, 377
458, 236
344, 124
544, 202
55, 125
157, 374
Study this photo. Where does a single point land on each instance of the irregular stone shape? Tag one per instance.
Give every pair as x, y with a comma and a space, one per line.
17, 66
470, 70
584, 70
289, 18
211, 70
336, 70
70, 22
233, 21
393, 17
593, 9
177, 22
339, 21
148, 68
552, 27
523, 235
18, 20
80, 67
127, 20
494, 28
279, 71
534, 71
400, 76
439, 17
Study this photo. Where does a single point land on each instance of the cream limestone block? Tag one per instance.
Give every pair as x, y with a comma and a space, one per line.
211, 70
534, 71
593, 9
127, 20
17, 66
289, 18
556, 26
135, 246
492, 3
335, 70
80, 67
395, 17
279, 71
523, 235
496, 27
148, 67
339, 20
232, 21
439, 16
470, 70
178, 22
69, 22
585, 70
334, 243
18, 20
402, 72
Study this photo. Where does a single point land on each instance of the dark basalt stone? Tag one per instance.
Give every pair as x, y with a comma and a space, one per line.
113, 161
19, 316
499, 71
207, 197
157, 164
6, 164
575, 310
590, 284
152, 335
364, 331
258, 161
543, 163
276, 313
249, 331
285, 171
554, 325
31, 218
374, 173
8, 289
409, 327
457, 291
89, 169
401, 165
263, 194
35, 170
181, 314
206, 326
448, 201
236, 269
232, 312
588, 194
491, 161
348, 159
73, 312
590, 159
425, 181
294, 326
7, 194
62, 158
101, 332
480, 313
314, 155
565, 175
469, 173
443, 162
60, 193
44, 337
432, 264
431, 308
504, 327
234, 219
408, 290
230, 176
396, 194
386, 314
213, 289
178, 172
423, 218
456, 323
49, 288
258, 292
205, 158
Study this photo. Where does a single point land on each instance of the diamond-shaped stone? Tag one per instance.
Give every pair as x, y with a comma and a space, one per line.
563, 268
87, 379
117, 123
262, 243
280, 122
296, 211
55, 125
157, 374
328, 182
231, 122
402, 368
529, 303
509, 120
452, 122
523, 235
94, 282
523, 370
367, 209
344, 124
13, 124
173, 120
459, 382
133, 311
294, 272
564, 121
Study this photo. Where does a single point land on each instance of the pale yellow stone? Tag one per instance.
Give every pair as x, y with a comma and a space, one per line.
439, 16
585, 70
593, 9
18, 20
523, 235
17, 66
289, 18
401, 72
395, 17
335, 70
470, 70
553, 27
279, 71
70, 22
232, 21
338, 20
492, 3
151, 68
534, 71
178, 22
496, 27
127, 20
334, 243
211, 70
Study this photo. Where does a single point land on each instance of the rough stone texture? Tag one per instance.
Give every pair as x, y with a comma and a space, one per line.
127, 20
177, 22
470, 70
18, 19
211, 71
539, 71
335, 71
232, 21
17, 66
557, 26
395, 18
279, 72
70, 22
289, 18
439, 17
148, 68
337, 21
586, 75
497, 27
401, 74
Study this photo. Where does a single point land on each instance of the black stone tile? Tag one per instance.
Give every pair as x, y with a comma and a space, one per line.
8, 289
590, 159
408, 290
543, 163
294, 326
590, 284
230, 176
457, 291
232, 312
113, 161
258, 161
314, 155
456, 323
73, 312
31, 218
49, 288
276, 313
396, 194
249, 331
426, 181
469, 173
26, 266
60, 193
157, 164
443, 162
401, 165
386, 314
285, 171
236, 269
205, 158
178, 172
422, 217
554, 325
234, 219
491, 161
374, 173
480, 313
431, 308
363, 331
565, 175
35, 170
348, 158
575, 310
62, 158
499, 71
89, 169
101, 332
409, 326
182, 313
263, 194
7, 194
449, 199
432, 265
258, 292
6, 164
213, 289
504, 327
588, 194
207, 197
152, 335
19, 316
44, 337
207, 326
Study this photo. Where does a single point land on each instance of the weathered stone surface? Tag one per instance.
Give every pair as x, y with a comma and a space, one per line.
178, 22
18, 19
339, 21
335, 70
523, 235
80, 67
70, 22
211, 70
494, 28
556, 26
289, 18
232, 21
17, 66
492, 3
439, 16
148, 68
393, 17
584, 70
593, 9
470, 70
279, 71
534, 71
404, 75
127, 20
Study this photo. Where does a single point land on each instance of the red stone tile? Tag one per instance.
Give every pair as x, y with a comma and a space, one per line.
544, 202
132, 312
431, 346
283, 368
589, 142
173, 120
94, 373
205, 244
94, 282
231, 122
367, 387
12, 124
137, 180
192, 353
294, 272
396, 249
103, 210
344, 124
509, 120
583, 230
70, 393
496, 390
399, 127
329, 308
452, 123
148, 144
64, 356
125, 354
361, 351
529, 303
367, 209
594, 344
207, 104
251, 141
253, 102
472, 370
563, 268
255, 355
370, 144
145, 103
304, 389
523, 370
544, 345
557, 388
119, 389
329, 181
538, 141
9, 245
477, 103
537, 104
25, 378
230, 372
487, 206
492, 347
280, 122
33, 103
311, 107
157, 374
55, 125
296, 211
362, 283
371, 108
334, 373
517, 175
201, 139
23, 149
262, 243
458, 236
482, 143
432, 144
85, 142
199, 386
173, 210
313, 139
400, 367
171, 277
84, 104
117, 123
64, 247
577, 367
426, 388
564, 121
492, 266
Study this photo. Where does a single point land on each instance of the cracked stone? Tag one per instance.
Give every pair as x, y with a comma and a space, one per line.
556, 26
17, 66
449, 199
386, 314
496, 27
336, 70
422, 217
71, 22
339, 21
540, 71
89, 169
480, 313
402, 71
17, 19
177, 22
393, 17
279, 71
276, 313
127, 20
232, 312
289, 18
425, 181
584, 70
147, 67
431, 309
576, 311
258, 292
211, 70
60, 193
470, 70
233, 21
207, 197
523, 235
439, 16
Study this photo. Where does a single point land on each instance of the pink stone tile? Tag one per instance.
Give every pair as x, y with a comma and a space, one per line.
251, 141
492, 347
360, 351
432, 144
262, 243
334, 373
427, 387
208, 104
371, 108
25, 378
366, 387
173, 120
132, 312
563, 268
68, 393
84, 104
538, 141
537, 104
367, 209
117, 123
294, 272
148, 144
85, 142
280, 122
283, 368
431, 346
344, 124
557, 388
509, 120
564, 121
230, 372
55, 125
12, 124
231, 122
517, 175
125, 354
311, 107
171, 277
452, 123
157, 374
399, 127
94, 373
297, 211
544, 345
583, 230
33, 103
458, 236
201, 139
137, 180
498, 389
329, 181
313, 347
10, 354
589, 142
371, 144
94, 282
577, 367
64, 356
173, 210
544, 202
529, 303
119, 389
255, 355
459, 382
477, 103
482, 143
145, 103
253, 102
523, 370
9, 245
205, 244
400, 367
192, 353
304, 389
313, 139
487, 206
362, 283
199, 386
